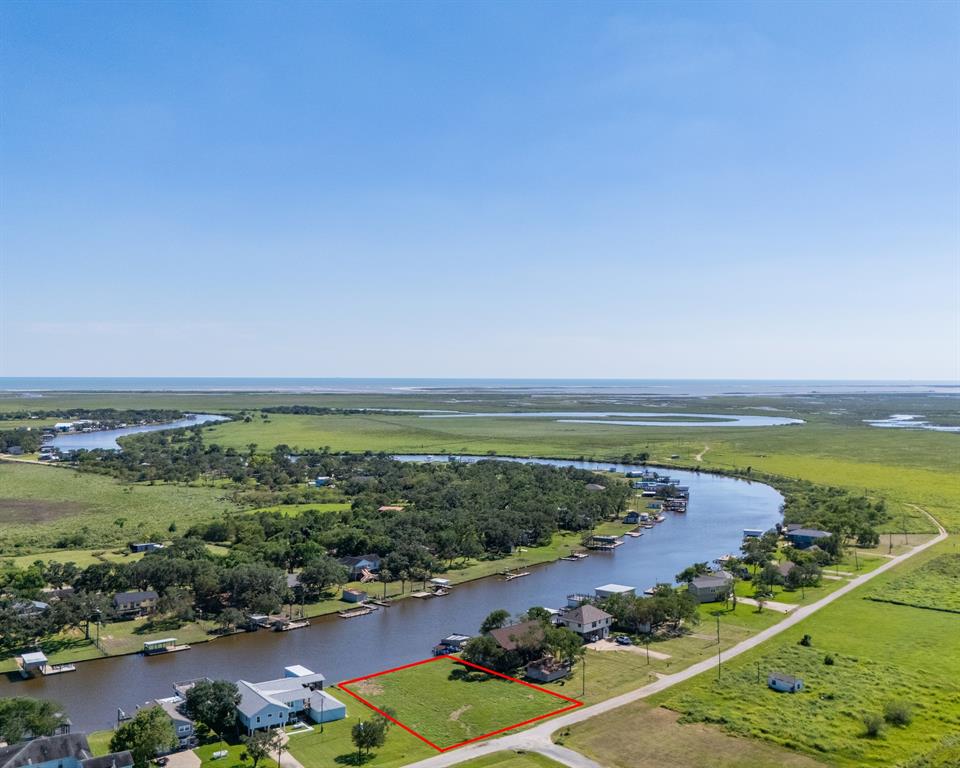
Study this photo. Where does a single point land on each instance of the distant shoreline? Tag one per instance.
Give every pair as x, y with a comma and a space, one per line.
39, 386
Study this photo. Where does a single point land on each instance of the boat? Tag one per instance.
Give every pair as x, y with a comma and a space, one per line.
635, 533
648, 525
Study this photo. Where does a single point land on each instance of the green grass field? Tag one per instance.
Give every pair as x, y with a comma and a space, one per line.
882, 652
935, 585
448, 703
42, 505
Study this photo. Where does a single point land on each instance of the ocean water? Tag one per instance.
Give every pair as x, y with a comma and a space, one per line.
664, 387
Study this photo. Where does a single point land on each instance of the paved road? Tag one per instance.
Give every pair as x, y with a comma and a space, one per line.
537, 739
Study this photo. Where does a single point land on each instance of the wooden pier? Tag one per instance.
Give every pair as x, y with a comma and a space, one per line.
360, 610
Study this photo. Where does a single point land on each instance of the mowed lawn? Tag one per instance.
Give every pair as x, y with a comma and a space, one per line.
448, 703
43, 507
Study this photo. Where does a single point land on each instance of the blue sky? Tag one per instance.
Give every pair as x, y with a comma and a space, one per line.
480, 189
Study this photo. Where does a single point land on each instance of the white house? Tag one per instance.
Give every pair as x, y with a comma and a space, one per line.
588, 621
274, 703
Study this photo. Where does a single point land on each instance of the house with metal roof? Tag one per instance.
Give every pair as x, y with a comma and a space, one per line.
274, 703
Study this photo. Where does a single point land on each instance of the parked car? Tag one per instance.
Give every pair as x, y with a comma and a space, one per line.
624, 640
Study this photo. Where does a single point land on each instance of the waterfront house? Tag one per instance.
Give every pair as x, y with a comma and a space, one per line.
321, 481
132, 604
274, 703
183, 726
711, 587
546, 670
784, 683
70, 750
354, 596
361, 565
632, 518
588, 621
609, 590
802, 538
526, 633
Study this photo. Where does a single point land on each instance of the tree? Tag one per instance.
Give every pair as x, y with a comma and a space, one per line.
260, 744
691, 572
148, 734
214, 703
229, 618
20, 716
367, 735
322, 572
563, 644
495, 620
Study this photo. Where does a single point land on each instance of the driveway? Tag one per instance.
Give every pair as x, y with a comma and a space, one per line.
186, 759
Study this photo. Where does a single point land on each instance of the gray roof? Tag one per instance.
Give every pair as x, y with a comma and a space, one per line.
134, 597
255, 696
708, 580
57, 748
782, 678
584, 614
811, 533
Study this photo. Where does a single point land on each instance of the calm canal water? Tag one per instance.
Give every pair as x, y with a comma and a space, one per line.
107, 438
720, 508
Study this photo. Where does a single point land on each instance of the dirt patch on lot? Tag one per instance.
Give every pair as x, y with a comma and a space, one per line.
367, 688
36, 510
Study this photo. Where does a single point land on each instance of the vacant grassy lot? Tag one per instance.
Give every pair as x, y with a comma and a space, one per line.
292, 510
42, 506
882, 652
448, 703
642, 736
935, 585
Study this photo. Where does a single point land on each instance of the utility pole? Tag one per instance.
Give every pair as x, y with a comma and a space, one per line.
583, 675
718, 630
718, 648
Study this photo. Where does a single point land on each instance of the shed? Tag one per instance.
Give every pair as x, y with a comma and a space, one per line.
354, 596
33, 661
785, 683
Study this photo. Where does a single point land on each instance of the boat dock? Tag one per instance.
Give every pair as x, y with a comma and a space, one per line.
33, 663
289, 624
510, 576
604, 543
360, 610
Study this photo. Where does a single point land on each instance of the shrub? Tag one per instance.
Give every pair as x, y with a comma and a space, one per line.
828, 660
898, 712
873, 724
806, 641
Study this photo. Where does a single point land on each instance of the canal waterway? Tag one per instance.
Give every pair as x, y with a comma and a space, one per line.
106, 439
632, 418
720, 508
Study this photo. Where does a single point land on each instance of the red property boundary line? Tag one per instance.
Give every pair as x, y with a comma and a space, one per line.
574, 703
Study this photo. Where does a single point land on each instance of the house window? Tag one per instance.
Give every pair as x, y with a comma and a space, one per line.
258, 718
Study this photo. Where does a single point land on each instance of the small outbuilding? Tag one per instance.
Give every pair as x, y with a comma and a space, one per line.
354, 596
546, 670
784, 683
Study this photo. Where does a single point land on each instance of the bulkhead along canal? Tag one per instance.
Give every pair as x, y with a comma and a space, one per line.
720, 509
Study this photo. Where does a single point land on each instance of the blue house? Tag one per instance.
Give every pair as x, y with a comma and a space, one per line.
321, 481
632, 518
802, 538
275, 703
